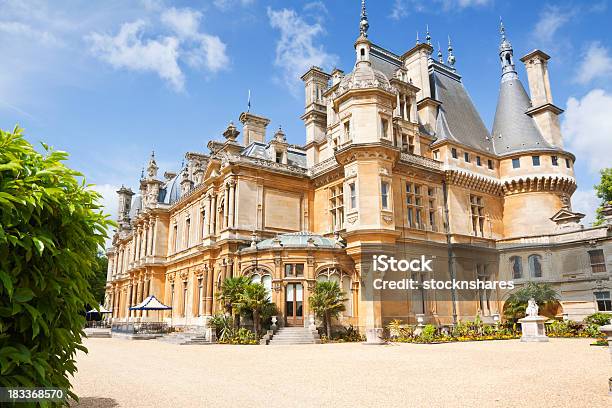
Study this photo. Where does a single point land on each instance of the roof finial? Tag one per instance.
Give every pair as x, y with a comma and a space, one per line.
363, 23
506, 54
417, 39
428, 37
440, 59
502, 29
451, 58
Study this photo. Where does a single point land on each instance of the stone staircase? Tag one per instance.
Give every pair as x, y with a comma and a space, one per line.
295, 335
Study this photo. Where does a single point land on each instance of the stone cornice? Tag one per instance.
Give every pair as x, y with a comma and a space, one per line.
533, 183
474, 181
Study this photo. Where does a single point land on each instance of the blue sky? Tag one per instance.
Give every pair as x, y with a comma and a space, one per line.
109, 81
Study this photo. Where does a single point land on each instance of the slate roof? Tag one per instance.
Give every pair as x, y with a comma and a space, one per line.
458, 120
513, 130
299, 240
258, 150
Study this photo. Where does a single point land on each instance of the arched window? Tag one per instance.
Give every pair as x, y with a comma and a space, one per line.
517, 267
535, 266
343, 280
263, 277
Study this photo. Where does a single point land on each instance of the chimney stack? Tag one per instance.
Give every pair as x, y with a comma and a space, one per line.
254, 128
543, 111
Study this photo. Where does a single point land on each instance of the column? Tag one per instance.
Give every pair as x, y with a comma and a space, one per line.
230, 217
208, 214
413, 109
153, 238
145, 251
209, 291
225, 207
201, 296
405, 112
398, 109
214, 216
139, 296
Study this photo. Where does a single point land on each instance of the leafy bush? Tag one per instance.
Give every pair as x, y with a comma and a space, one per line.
349, 334
51, 228
599, 319
241, 336
223, 325
543, 293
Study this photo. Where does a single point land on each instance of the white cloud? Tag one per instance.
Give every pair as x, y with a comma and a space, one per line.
596, 63
128, 50
551, 19
184, 22
586, 202
296, 50
228, 4
16, 28
587, 127
401, 8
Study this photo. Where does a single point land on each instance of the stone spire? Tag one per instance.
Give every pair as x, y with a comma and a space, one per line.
440, 57
451, 58
506, 55
363, 23
417, 38
428, 36
152, 167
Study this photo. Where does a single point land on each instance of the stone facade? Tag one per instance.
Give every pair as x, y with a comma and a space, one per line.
396, 156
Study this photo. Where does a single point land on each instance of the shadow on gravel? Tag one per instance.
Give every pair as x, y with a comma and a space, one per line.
94, 402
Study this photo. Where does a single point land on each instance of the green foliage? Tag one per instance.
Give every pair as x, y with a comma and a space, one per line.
327, 301
604, 192
98, 282
599, 319
223, 326
564, 328
349, 334
516, 304
231, 288
462, 331
429, 332
255, 299
51, 229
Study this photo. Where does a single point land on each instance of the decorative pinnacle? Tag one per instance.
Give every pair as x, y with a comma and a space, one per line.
440, 59
451, 58
363, 23
417, 39
502, 29
428, 37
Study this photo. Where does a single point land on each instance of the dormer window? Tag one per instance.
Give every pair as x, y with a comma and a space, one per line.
363, 52
535, 160
516, 163
279, 157
555, 160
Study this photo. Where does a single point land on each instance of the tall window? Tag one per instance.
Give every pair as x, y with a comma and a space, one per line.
384, 124
260, 276
477, 212
516, 163
436, 154
535, 266
555, 160
203, 222
353, 195
187, 232
420, 206
535, 160
347, 130
490, 164
454, 153
517, 267
478, 161
384, 190
598, 261
336, 206
604, 303
431, 198
568, 163
175, 237
466, 157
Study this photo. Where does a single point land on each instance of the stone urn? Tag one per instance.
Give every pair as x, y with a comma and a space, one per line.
375, 336
532, 325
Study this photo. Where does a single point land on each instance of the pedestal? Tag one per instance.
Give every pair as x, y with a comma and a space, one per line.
533, 329
375, 336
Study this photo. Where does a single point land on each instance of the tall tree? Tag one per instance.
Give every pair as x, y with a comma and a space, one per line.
327, 301
254, 298
229, 296
604, 192
51, 228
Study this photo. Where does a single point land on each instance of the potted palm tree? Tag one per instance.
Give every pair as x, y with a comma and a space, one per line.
327, 301
231, 289
254, 298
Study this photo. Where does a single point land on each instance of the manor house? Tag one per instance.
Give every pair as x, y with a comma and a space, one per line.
396, 157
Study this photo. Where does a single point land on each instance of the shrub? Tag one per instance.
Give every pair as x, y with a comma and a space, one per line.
598, 319
350, 334
543, 293
51, 228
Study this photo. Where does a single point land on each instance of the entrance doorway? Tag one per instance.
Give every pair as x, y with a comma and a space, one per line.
294, 300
